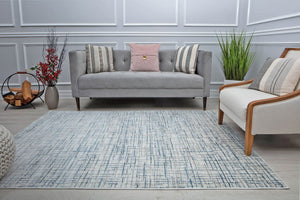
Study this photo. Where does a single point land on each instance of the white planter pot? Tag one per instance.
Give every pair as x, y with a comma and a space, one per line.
230, 81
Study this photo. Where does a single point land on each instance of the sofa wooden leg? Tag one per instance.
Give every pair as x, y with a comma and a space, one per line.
77, 103
221, 116
248, 142
204, 103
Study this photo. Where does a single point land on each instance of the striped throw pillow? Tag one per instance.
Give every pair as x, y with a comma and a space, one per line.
99, 59
186, 59
278, 78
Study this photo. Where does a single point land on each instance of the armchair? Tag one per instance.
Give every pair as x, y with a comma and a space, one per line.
258, 112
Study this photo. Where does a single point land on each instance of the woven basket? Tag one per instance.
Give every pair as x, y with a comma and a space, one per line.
7, 150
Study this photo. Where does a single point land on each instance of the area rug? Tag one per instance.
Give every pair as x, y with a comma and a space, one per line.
181, 149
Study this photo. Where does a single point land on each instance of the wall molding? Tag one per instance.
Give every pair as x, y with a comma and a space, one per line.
266, 32
211, 25
12, 16
25, 45
126, 44
150, 24
66, 24
15, 45
271, 19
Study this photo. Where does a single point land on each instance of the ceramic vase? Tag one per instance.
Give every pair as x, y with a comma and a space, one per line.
51, 97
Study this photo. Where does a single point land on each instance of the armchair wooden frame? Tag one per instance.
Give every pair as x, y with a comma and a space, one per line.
249, 114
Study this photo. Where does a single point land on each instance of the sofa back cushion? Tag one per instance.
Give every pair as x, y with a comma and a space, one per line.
144, 57
99, 59
280, 77
186, 59
122, 60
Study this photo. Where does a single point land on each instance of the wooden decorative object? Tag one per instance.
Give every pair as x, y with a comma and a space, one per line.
34, 92
10, 99
26, 90
21, 96
18, 103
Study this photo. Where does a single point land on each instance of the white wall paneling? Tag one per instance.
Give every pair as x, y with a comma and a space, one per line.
68, 12
211, 13
7, 17
121, 34
33, 55
266, 11
24, 27
9, 62
150, 12
163, 45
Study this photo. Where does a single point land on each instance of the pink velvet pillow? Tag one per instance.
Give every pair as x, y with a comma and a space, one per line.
144, 57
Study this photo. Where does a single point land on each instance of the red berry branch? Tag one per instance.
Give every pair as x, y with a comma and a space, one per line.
48, 71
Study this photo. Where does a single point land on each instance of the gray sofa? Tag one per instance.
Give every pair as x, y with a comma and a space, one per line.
123, 83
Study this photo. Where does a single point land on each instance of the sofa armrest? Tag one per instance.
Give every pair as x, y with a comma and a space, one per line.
77, 68
275, 115
204, 66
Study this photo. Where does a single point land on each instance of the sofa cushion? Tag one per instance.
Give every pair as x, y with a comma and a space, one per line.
99, 59
144, 57
280, 77
167, 60
140, 80
186, 59
237, 99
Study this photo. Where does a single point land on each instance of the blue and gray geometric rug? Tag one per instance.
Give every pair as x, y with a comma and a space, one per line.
183, 149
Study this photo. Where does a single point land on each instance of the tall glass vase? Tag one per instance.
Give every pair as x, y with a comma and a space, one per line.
51, 97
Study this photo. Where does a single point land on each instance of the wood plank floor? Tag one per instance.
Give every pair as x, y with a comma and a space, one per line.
281, 152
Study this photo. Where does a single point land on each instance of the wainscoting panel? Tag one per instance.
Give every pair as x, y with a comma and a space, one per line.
9, 61
163, 45
24, 26
211, 13
32, 56
6, 13
150, 12
68, 13
264, 11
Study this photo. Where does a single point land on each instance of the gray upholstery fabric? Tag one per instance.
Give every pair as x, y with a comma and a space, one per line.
141, 93
204, 69
122, 63
140, 80
167, 60
122, 59
77, 68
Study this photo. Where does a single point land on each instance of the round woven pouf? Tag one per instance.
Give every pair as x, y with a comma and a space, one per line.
7, 150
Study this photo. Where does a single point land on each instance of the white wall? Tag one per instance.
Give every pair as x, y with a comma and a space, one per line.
24, 25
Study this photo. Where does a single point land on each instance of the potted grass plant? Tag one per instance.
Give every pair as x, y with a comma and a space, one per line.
236, 56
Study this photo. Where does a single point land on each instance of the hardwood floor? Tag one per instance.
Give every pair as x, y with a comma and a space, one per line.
281, 152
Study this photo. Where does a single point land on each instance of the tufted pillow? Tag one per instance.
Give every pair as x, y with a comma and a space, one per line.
186, 59
278, 76
99, 59
144, 57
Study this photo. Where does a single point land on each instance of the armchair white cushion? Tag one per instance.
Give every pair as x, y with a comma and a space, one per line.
258, 112
234, 102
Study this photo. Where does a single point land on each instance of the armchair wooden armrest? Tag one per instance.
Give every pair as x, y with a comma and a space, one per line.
235, 84
249, 117
221, 113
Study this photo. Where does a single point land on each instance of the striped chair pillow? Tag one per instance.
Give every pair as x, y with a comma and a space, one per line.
278, 76
186, 59
99, 59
